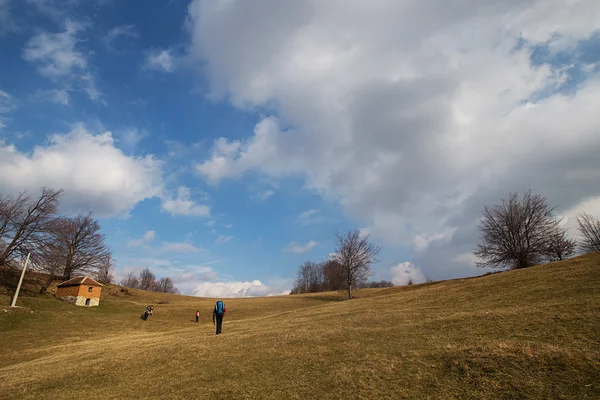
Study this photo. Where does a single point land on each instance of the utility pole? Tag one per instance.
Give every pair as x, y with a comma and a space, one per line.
14, 300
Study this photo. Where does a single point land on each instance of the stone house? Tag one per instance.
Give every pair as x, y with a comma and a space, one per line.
81, 291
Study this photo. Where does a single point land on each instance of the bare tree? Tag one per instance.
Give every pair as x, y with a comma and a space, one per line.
560, 246
147, 280
356, 255
516, 233
78, 244
131, 281
333, 275
166, 285
24, 223
302, 281
106, 271
589, 229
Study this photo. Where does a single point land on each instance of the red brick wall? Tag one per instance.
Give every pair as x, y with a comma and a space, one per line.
67, 291
94, 294
79, 291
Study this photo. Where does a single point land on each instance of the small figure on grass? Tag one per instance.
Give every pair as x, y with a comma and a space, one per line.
197, 315
148, 312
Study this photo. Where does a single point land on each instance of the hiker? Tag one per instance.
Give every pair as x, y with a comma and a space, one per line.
218, 312
197, 315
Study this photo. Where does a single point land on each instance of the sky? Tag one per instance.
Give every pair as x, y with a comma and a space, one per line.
222, 143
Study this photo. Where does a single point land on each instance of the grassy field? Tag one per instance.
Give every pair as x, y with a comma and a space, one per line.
525, 334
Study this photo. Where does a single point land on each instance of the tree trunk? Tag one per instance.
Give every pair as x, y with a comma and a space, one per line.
46, 285
349, 292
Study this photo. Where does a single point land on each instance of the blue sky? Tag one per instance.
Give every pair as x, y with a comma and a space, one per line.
224, 143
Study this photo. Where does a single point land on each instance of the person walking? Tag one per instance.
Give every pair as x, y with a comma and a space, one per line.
197, 315
219, 312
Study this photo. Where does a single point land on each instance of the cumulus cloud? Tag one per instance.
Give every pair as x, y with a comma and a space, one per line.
411, 117
404, 273
147, 238
184, 205
161, 60
95, 175
236, 289
299, 248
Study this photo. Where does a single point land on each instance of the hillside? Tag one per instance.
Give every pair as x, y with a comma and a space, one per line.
523, 334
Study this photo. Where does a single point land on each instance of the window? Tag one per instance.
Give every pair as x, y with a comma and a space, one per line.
90, 289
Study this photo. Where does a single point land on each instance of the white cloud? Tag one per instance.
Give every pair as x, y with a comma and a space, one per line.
412, 118
131, 136
210, 223
266, 194
228, 226
56, 53
179, 247
6, 105
422, 241
6, 102
147, 238
95, 175
160, 60
58, 96
468, 258
223, 239
254, 288
299, 248
310, 217
405, 272
183, 205
58, 58
590, 205
7, 20
119, 33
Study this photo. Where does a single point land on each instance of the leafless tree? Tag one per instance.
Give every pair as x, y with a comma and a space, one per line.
560, 247
106, 271
131, 281
147, 280
333, 275
78, 244
166, 285
302, 281
589, 229
516, 233
24, 223
355, 254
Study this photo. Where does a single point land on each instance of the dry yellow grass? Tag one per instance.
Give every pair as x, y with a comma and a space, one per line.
523, 334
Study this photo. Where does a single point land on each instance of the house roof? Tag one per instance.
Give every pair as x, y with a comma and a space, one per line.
80, 280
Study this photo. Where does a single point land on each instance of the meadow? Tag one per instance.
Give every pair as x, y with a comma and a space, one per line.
522, 334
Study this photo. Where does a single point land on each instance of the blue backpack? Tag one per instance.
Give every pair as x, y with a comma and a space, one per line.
219, 307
